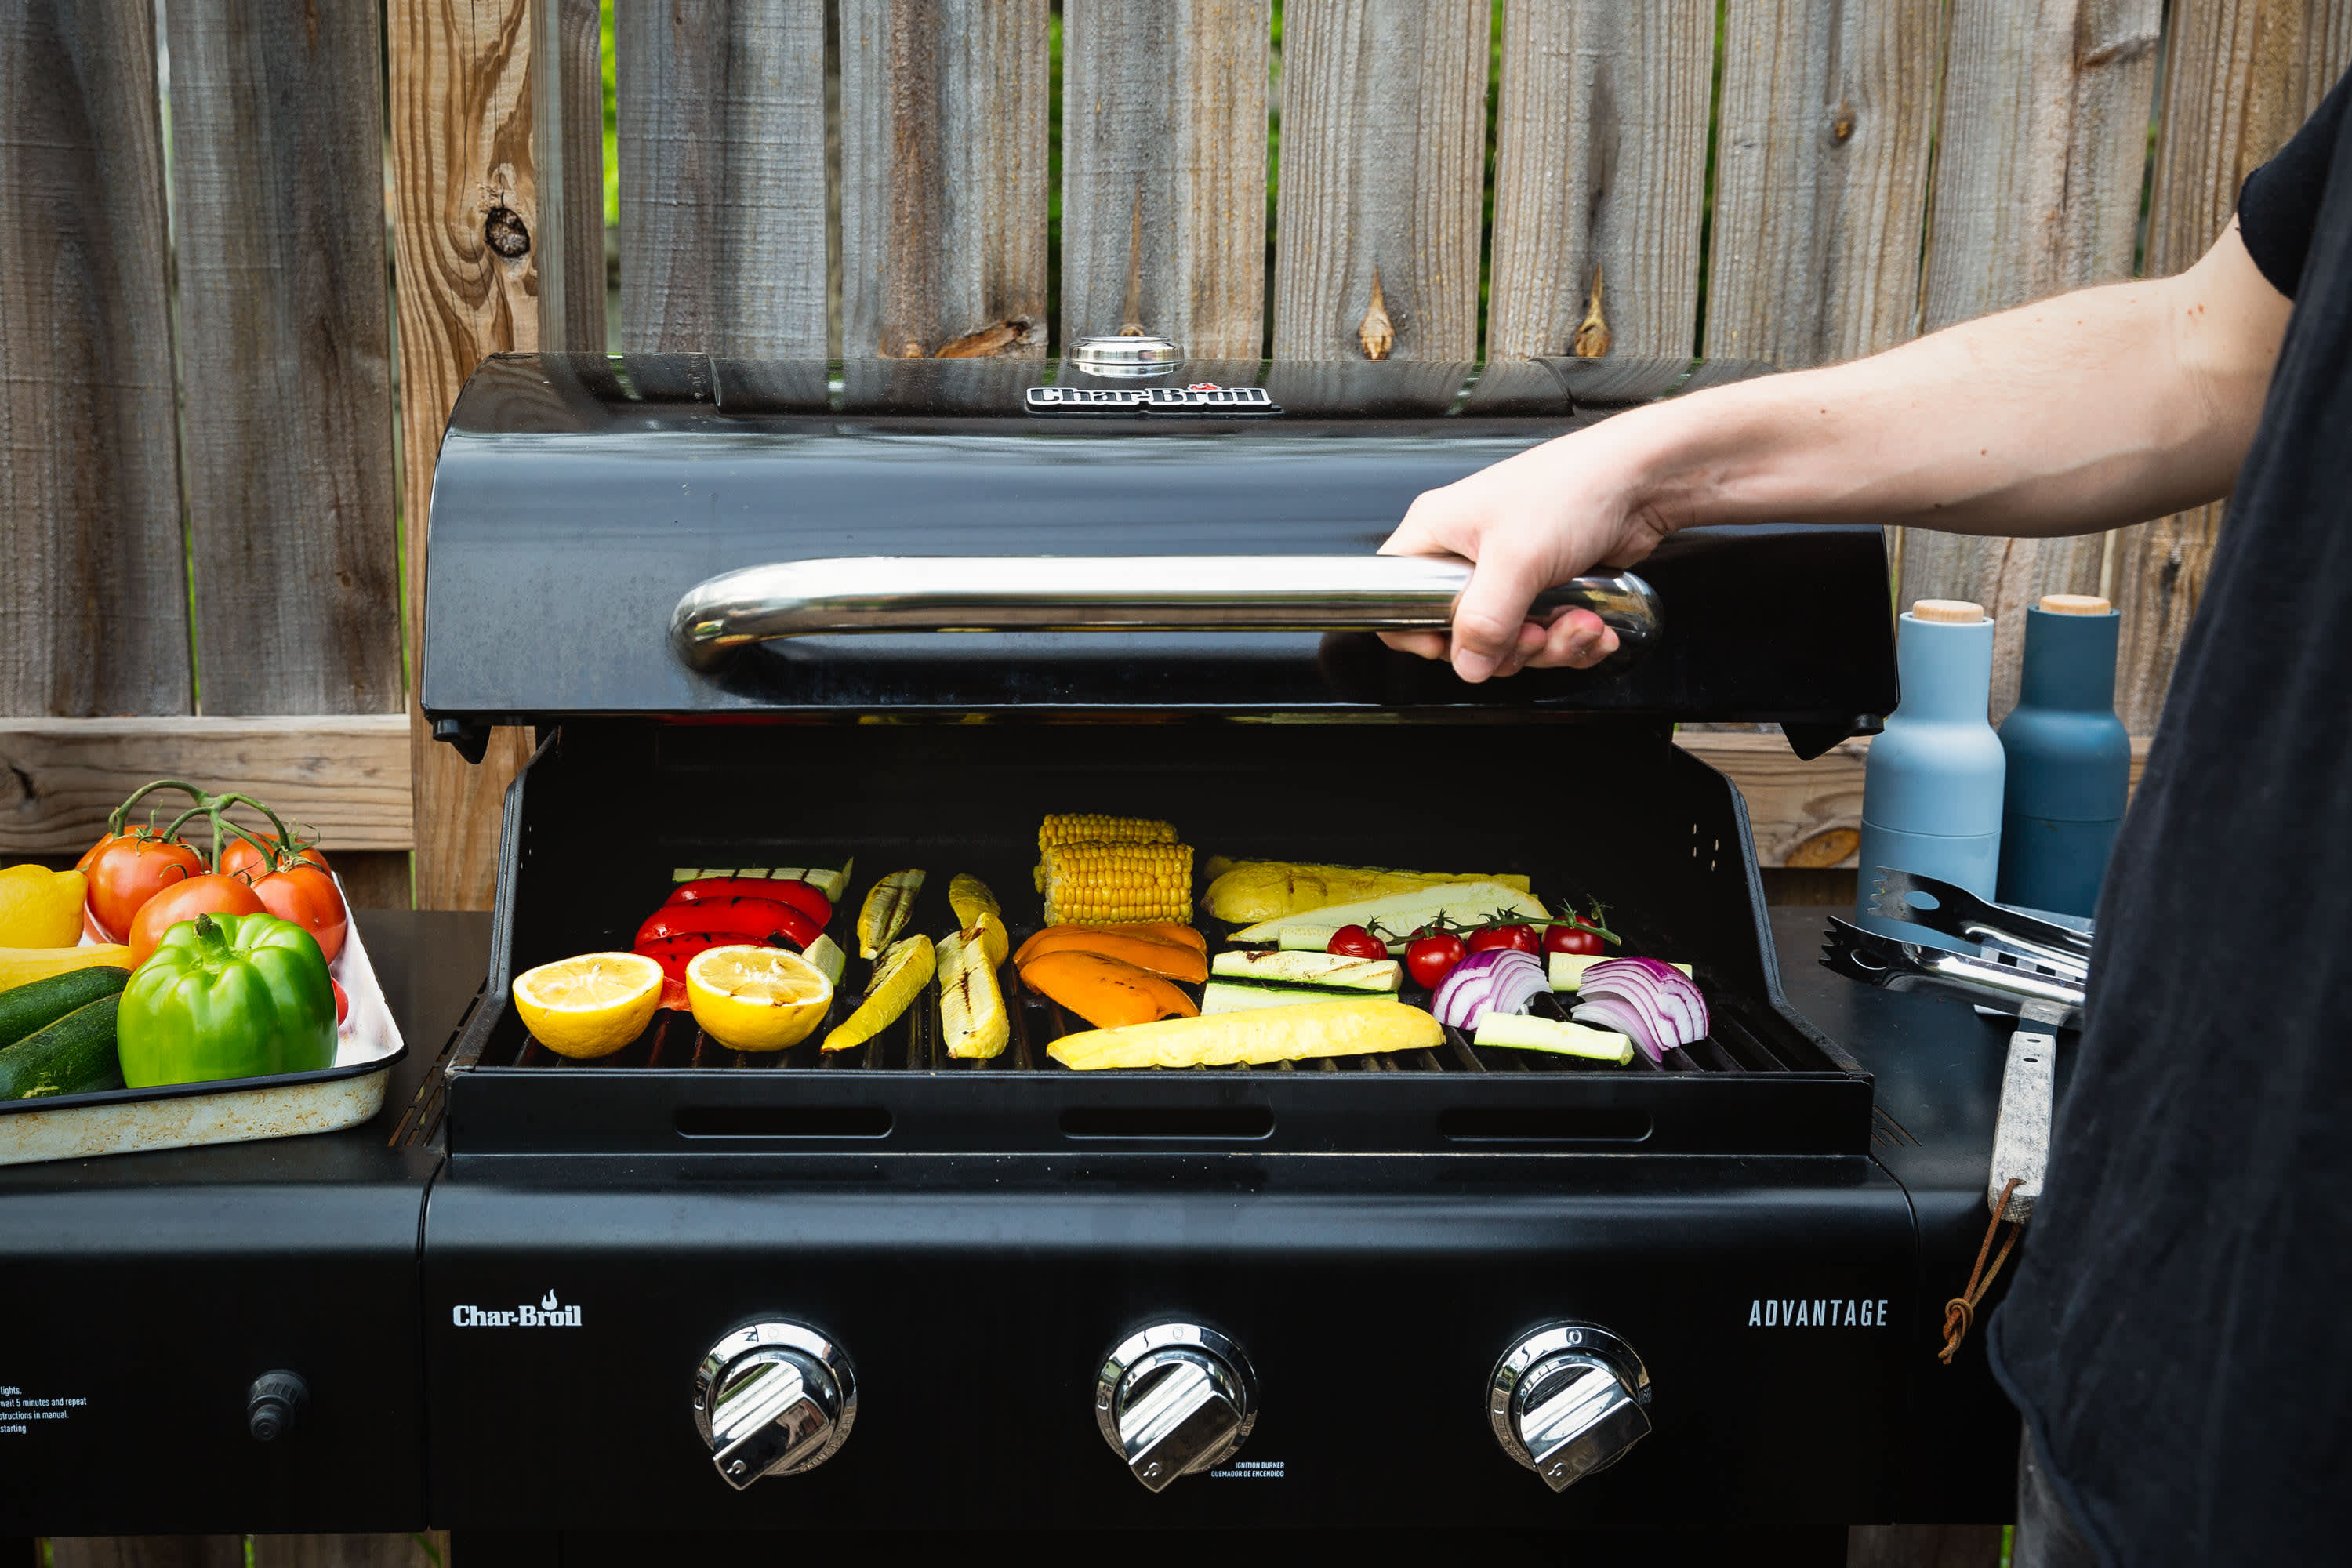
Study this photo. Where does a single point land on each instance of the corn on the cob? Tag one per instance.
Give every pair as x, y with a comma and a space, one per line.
973, 1021
1113, 884
1087, 827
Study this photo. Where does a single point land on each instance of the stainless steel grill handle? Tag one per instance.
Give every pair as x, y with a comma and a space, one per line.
1114, 594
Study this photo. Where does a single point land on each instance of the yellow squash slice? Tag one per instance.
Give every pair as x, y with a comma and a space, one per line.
884, 915
973, 1019
899, 977
1301, 1033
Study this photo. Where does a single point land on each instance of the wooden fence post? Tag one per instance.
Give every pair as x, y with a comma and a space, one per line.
568, 147
943, 151
721, 109
1821, 178
285, 356
2240, 77
1163, 171
1599, 176
2039, 172
464, 208
94, 595
1383, 145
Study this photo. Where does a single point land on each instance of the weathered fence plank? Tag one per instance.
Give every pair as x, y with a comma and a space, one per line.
1383, 145
944, 108
1821, 147
285, 355
464, 193
2039, 171
1599, 176
721, 106
567, 99
1163, 171
2240, 75
93, 600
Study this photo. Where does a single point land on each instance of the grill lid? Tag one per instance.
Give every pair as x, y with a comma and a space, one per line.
581, 501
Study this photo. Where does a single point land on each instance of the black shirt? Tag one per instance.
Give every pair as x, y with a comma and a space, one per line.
2180, 1333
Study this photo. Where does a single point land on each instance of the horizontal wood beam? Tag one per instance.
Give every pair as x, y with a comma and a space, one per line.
347, 775
344, 775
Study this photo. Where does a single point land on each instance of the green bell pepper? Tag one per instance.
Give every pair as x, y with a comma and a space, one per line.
227, 996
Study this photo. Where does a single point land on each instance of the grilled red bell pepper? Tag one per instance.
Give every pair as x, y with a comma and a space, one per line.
744, 919
674, 953
786, 890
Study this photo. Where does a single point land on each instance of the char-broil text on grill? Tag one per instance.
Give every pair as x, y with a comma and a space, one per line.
1201, 397
1816, 1313
548, 1314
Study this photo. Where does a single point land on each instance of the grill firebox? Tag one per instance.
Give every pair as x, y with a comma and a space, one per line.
1605, 810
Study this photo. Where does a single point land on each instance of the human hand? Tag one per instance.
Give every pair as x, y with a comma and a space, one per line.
1530, 522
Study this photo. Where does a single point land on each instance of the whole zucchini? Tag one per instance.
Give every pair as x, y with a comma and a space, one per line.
24, 1009
73, 1056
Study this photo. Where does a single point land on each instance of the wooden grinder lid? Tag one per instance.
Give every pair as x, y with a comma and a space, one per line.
1950, 612
2074, 605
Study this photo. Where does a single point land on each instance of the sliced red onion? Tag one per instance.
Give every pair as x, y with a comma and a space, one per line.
1653, 1004
1497, 980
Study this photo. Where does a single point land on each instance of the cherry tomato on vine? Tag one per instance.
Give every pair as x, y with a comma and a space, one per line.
128, 872
1520, 937
1572, 939
241, 859
1431, 959
307, 896
1355, 941
210, 894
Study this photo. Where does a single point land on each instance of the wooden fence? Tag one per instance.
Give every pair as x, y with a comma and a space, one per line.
201, 504
208, 529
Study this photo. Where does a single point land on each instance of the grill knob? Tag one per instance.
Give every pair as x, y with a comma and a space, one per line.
773, 1398
1174, 1399
1568, 1400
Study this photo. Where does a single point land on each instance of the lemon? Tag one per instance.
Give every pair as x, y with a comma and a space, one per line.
756, 998
40, 908
899, 976
591, 1006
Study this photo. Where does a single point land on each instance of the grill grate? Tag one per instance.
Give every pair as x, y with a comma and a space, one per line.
912, 1044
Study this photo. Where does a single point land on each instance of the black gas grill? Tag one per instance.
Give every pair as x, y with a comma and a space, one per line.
891, 1291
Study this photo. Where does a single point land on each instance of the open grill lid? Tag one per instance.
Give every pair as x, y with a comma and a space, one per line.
581, 501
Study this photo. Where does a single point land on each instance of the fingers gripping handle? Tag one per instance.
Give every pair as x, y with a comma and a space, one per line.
885, 594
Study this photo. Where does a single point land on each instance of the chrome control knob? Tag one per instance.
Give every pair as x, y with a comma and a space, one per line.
1568, 1400
773, 1398
1175, 1399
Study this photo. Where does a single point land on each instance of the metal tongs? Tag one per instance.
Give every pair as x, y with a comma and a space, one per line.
2034, 969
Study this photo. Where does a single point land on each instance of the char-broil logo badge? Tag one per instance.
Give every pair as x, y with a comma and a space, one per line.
548, 1314
1202, 400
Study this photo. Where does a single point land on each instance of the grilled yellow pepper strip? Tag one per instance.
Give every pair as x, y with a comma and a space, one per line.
888, 904
898, 978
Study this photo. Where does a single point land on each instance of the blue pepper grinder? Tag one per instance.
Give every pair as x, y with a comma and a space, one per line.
1931, 797
2069, 758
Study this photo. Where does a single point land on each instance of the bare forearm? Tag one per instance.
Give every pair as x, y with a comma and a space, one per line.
2092, 409
2076, 414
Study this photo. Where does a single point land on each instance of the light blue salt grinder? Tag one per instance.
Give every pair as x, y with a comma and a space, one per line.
1931, 795
2069, 758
